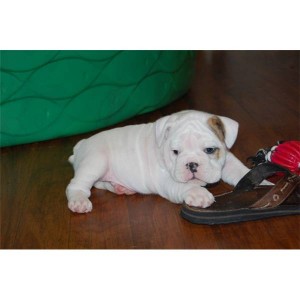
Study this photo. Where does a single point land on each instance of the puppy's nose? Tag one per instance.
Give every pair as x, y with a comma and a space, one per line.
192, 166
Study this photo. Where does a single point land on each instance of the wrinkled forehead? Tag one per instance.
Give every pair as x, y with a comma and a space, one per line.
191, 127
192, 133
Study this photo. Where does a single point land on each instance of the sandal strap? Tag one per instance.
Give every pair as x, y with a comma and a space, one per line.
277, 195
255, 176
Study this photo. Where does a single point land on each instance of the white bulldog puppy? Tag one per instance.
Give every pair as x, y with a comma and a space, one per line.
175, 157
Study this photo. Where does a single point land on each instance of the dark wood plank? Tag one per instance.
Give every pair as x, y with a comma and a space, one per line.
259, 89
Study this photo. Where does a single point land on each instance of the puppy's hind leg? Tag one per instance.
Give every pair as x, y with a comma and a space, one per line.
87, 172
104, 185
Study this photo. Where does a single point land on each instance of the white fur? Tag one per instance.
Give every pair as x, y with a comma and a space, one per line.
140, 158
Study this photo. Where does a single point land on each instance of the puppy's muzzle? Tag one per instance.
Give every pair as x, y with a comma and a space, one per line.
192, 166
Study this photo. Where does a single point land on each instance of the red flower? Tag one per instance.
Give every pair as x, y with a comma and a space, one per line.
287, 155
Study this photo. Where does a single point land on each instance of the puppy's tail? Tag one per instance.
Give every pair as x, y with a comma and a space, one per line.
72, 157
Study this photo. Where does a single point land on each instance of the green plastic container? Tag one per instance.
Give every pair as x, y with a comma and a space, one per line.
50, 94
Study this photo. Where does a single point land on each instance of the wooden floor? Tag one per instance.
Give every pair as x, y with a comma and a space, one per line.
258, 89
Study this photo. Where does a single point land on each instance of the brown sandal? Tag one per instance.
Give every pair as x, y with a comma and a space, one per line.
250, 201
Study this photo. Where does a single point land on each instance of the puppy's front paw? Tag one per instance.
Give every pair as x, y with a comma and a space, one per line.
199, 197
80, 204
266, 182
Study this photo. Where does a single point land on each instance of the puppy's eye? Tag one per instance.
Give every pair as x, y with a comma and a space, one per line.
210, 150
175, 152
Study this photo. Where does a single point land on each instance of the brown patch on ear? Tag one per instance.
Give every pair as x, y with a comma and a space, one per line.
217, 126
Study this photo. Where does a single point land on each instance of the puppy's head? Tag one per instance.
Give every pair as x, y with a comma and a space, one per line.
193, 145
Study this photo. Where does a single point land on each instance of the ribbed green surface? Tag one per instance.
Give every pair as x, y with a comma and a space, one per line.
50, 94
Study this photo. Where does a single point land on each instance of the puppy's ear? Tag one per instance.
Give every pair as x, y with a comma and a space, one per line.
162, 128
225, 128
